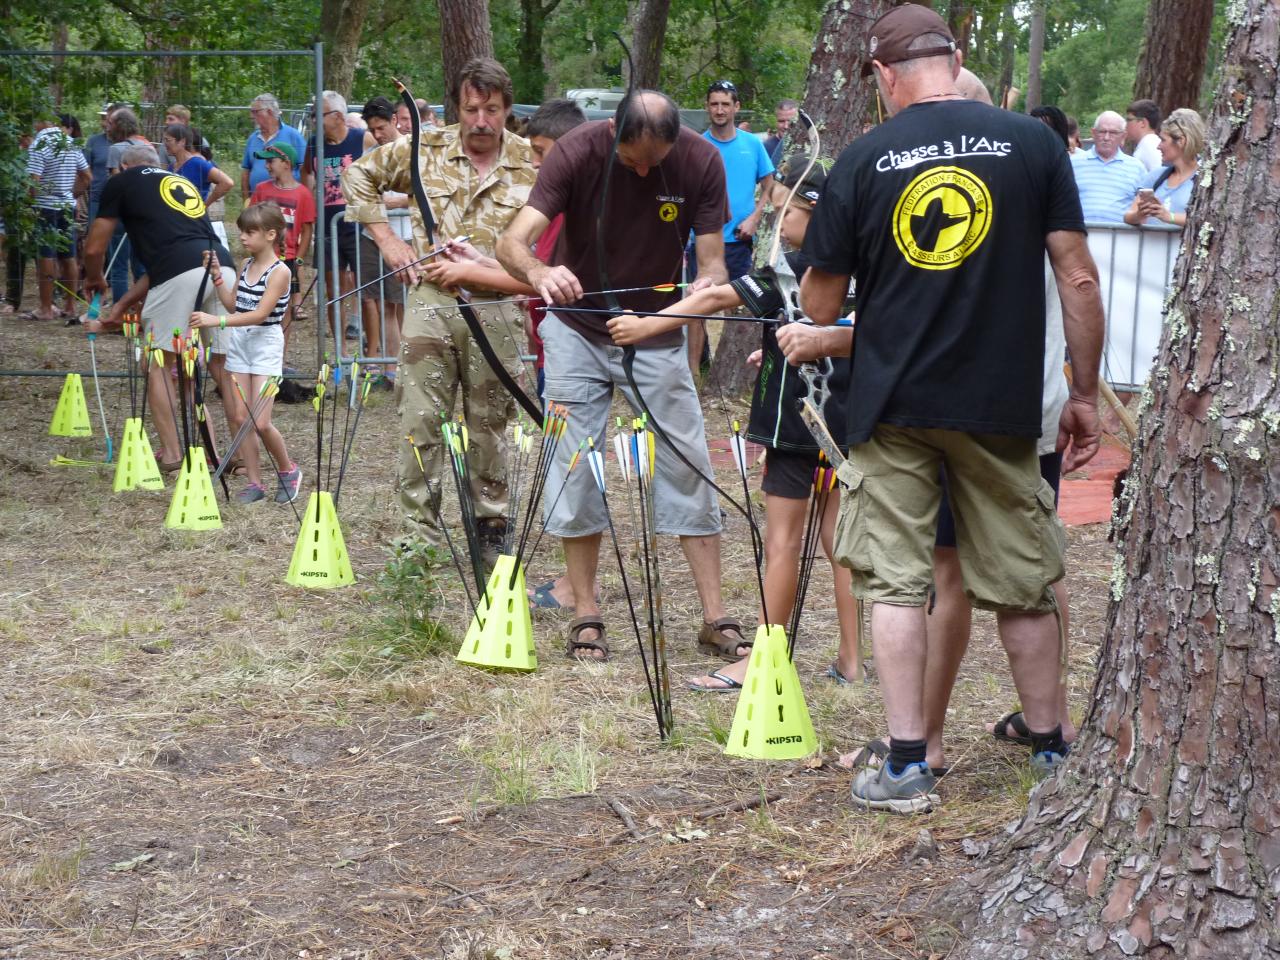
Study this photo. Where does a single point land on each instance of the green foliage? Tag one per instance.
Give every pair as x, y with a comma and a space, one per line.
407, 631
1093, 69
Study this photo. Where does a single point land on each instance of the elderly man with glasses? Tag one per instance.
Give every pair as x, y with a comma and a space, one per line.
265, 110
1107, 177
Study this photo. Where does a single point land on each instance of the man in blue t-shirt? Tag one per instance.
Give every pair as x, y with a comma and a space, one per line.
265, 110
746, 166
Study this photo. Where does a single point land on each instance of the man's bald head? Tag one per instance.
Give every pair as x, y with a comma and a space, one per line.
647, 113
971, 88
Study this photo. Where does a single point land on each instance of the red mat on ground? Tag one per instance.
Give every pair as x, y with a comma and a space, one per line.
1086, 496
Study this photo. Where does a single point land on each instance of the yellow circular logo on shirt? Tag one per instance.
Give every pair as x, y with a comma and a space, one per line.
180, 194
942, 216
668, 212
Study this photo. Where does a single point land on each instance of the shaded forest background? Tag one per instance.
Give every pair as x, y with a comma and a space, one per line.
1090, 60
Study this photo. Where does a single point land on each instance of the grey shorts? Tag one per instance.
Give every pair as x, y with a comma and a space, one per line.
169, 306
582, 375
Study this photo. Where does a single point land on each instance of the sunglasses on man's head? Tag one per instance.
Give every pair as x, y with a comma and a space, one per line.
721, 86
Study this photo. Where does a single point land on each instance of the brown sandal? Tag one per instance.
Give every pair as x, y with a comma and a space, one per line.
713, 640
574, 645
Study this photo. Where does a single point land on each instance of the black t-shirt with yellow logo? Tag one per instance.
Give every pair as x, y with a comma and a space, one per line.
941, 215
165, 219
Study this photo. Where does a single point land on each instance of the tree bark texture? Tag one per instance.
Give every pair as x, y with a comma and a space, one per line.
1161, 835
1035, 55
835, 95
342, 22
1174, 47
649, 31
465, 33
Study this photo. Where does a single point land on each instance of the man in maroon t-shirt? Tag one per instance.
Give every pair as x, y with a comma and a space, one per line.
649, 190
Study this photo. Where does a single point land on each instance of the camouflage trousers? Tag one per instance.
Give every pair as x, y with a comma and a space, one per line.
439, 362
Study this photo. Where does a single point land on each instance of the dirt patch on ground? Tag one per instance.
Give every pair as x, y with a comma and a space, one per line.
200, 761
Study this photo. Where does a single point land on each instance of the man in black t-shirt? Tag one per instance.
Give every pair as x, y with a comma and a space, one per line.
166, 222
943, 214
649, 190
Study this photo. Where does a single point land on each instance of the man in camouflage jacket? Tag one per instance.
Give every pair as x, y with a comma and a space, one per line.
477, 176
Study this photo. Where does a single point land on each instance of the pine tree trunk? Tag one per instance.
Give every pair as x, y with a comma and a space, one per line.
1035, 54
649, 30
835, 95
960, 20
1174, 49
1008, 49
1161, 836
465, 33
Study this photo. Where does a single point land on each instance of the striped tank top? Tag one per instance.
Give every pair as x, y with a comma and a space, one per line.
249, 295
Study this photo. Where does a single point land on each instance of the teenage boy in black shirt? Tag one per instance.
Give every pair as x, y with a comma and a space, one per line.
943, 214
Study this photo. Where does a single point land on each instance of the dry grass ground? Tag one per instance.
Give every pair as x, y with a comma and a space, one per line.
197, 760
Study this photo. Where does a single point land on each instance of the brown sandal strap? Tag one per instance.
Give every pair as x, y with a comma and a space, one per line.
573, 644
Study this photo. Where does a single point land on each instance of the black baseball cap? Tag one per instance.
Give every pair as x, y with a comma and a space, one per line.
793, 171
892, 34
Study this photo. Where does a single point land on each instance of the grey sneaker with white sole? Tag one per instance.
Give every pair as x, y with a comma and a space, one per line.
878, 789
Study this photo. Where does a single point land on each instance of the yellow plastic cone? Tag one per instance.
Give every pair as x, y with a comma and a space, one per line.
501, 633
136, 469
193, 506
772, 720
71, 416
320, 556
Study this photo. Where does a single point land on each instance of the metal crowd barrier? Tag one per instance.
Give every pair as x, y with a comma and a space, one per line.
338, 311
1135, 265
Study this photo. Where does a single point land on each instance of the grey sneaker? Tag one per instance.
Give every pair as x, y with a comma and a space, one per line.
251, 494
878, 789
290, 482
1046, 763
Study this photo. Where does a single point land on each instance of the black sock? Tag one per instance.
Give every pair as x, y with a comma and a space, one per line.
1051, 741
903, 753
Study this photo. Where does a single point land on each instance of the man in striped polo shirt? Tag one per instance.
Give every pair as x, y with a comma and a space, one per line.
59, 173
1107, 177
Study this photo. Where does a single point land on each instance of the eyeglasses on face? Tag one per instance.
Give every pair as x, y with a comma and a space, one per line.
1108, 133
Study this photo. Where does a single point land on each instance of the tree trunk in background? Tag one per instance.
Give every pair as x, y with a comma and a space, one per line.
840, 103
530, 75
1160, 837
1174, 49
648, 31
60, 36
342, 25
835, 95
1035, 54
960, 20
465, 33
1008, 50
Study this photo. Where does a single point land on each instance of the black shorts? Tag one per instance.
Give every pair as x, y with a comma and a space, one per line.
346, 251
1050, 469
789, 473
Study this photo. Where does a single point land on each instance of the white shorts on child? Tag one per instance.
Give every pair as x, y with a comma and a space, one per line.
256, 350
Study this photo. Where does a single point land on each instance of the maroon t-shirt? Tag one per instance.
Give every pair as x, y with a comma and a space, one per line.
647, 220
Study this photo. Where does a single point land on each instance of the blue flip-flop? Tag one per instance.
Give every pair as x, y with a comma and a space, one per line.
544, 599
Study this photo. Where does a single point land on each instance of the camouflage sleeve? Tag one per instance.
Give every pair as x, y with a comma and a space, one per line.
363, 183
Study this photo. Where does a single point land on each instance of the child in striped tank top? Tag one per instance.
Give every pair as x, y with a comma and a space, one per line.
255, 347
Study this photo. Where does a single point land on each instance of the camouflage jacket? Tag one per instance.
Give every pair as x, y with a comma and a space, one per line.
461, 202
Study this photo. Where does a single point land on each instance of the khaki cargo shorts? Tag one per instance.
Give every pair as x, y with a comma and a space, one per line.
1010, 541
